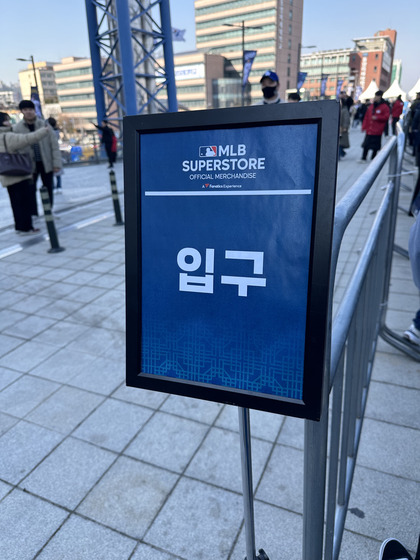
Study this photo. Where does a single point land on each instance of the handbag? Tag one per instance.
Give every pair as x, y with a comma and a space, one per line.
14, 165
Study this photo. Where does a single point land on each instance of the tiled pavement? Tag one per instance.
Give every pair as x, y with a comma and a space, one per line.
91, 469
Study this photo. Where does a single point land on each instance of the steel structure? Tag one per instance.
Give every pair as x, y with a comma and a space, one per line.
126, 40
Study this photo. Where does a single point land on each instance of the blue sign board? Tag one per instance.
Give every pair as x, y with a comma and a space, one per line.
226, 219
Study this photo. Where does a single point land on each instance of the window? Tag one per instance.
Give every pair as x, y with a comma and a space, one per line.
288, 70
289, 58
290, 29
376, 56
290, 15
289, 44
375, 68
288, 84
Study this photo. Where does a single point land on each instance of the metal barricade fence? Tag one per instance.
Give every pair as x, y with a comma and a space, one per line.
353, 339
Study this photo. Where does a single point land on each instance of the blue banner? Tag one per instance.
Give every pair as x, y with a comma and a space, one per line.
339, 84
324, 79
301, 79
249, 57
226, 222
36, 101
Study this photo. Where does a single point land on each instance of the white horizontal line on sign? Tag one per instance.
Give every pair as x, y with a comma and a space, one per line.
226, 193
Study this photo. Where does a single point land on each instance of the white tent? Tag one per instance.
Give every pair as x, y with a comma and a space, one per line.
369, 93
394, 91
414, 90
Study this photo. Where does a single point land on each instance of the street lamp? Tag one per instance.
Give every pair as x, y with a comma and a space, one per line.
33, 69
243, 27
300, 47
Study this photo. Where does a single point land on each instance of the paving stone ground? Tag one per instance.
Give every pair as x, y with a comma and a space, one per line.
91, 469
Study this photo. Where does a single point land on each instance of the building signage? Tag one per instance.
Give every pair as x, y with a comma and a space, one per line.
189, 72
226, 212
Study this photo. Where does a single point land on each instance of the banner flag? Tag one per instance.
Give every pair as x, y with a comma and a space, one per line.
36, 101
249, 57
301, 79
178, 34
324, 78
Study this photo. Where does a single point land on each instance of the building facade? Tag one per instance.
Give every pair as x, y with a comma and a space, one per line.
327, 72
372, 59
271, 27
45, 79
351, 70
204, 81
75, 92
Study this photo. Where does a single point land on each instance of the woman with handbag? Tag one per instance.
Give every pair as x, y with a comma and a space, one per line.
16, 172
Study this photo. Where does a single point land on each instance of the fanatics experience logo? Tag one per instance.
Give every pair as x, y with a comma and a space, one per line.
207, 151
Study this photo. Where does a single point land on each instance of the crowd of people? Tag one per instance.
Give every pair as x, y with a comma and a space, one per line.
32, 152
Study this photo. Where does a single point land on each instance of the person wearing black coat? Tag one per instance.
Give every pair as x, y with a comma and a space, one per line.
109, 141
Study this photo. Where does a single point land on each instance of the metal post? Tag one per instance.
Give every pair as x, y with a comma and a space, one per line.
95, 57
115, 199
168, 53
243, 63
34, 71
127, 60
49, 220
247, 486
245, 438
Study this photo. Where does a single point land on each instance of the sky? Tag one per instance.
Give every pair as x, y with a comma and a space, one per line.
57, 28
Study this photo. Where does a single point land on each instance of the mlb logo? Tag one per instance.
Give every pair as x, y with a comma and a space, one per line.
208, 151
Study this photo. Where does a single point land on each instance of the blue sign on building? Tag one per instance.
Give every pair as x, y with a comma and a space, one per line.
226, 219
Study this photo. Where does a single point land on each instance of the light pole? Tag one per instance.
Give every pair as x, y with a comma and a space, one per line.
33, 69
300, 47
243, 27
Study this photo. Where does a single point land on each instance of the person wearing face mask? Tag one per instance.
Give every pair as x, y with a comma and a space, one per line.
270, 88
19, 187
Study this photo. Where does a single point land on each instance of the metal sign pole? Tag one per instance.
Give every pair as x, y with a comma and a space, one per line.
246, 460
247, 486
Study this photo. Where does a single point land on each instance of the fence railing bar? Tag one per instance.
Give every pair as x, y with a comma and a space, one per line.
334, 459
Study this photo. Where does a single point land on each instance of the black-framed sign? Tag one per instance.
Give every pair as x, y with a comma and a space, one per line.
229, 217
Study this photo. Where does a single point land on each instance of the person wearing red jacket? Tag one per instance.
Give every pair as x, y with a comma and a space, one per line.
396, 110
374, 123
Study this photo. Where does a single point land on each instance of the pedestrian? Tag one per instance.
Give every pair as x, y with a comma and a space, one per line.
293, 97
109, 140
415, 124
45, 154
410, 117
396, 110
58, 184
386, 128
376, 118
270, 88
357, 114
19, 187
344, 141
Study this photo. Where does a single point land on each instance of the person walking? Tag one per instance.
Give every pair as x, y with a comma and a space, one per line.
19, 187
344, 141
45, 154
109, 140
396, 110
415, 124
374, 123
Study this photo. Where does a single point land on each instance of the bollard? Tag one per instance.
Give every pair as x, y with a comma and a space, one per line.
49, 220
115, 199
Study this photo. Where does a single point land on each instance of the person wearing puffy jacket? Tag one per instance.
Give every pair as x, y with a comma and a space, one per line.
374, 124
19, 187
